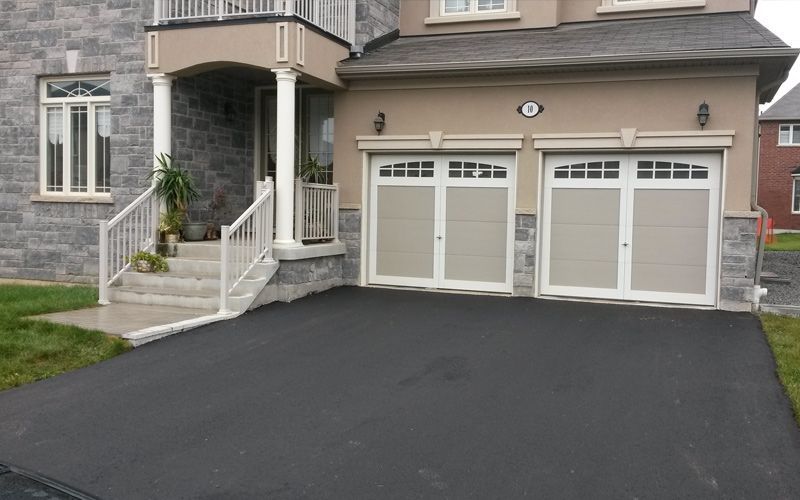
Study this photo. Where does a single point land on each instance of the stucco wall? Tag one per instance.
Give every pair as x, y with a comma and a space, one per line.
664, 100
545, 13
776, 164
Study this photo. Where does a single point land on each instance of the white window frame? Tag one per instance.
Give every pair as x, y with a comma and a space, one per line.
795, 194
794, 131
613, 6
91, 103
472, 9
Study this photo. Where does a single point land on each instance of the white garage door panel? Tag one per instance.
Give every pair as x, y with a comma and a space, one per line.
455, 231
649, 234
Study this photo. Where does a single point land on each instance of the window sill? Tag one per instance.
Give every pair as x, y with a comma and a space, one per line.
467, 18
789, 145
54, 198
636, 7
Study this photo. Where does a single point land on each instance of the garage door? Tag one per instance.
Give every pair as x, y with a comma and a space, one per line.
442, 221
631, 227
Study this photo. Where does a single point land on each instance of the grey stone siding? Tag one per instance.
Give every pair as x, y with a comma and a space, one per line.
738, 263
212, 136
375, 18
58, 241
298, 278
350, 235
524, 255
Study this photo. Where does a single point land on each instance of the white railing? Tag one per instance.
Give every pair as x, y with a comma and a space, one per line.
245, 243
132, 230
316, 213
334, 16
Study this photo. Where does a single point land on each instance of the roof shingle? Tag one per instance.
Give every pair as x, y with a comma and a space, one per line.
786, 108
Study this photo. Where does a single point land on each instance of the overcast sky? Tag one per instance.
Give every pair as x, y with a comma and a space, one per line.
782, 17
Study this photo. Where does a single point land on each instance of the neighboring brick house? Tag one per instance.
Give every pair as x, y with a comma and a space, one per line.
779, 161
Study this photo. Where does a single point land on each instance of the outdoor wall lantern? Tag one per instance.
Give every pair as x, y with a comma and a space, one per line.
380, 122
703, 114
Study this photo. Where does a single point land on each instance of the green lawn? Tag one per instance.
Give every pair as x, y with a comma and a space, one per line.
783, 334
31, 350
785, 242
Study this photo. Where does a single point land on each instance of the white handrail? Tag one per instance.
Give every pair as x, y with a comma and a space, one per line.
334, 16
316, 211
245, 243
132, 230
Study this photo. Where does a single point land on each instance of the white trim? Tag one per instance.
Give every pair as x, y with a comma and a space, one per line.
795, 197
456, 142
615, 6
794, 129
66, 103
640, 140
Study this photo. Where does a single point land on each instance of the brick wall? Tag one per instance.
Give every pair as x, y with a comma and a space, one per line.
776, 164
58, 241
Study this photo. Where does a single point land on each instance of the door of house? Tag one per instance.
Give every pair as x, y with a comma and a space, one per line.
442, 221
639, 227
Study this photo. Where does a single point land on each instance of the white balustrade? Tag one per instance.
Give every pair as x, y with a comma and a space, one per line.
132, 230
316, 211
245, 243
334, 16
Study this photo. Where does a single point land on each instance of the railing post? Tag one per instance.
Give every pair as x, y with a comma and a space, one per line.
299, 208
219, 9
335, 210
103, 271
156, 12
223, 270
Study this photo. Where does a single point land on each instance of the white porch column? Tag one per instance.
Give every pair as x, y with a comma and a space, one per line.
284, 182
162, 114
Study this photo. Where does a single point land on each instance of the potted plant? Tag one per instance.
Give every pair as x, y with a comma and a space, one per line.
170, 226
146, 262
313, 171
175, 186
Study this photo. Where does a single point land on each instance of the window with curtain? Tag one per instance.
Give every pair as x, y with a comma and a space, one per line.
76, 136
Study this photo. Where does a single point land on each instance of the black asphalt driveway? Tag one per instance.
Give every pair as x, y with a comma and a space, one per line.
365, 393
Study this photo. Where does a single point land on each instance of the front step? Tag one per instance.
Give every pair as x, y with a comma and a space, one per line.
192, 282
191, 299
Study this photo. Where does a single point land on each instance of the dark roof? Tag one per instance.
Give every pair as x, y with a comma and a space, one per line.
787, 107
639, 37
796, 171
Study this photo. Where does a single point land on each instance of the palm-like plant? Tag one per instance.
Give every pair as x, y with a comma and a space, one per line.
174, 185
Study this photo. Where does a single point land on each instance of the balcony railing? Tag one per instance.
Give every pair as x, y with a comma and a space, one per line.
334, 16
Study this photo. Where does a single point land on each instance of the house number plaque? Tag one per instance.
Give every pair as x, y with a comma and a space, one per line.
530, 109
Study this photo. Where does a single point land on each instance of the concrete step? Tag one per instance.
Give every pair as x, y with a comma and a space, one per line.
191, 299
205, 251
193, 266
176, 281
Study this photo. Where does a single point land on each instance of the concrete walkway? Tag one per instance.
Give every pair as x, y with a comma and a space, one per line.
135, 322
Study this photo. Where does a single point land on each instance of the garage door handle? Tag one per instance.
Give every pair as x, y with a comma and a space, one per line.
625, 244
438, 237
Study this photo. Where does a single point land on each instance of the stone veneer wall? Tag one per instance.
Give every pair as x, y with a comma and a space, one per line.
350, 235
739, 248
216, 148
524, 255
375, 18
58, 241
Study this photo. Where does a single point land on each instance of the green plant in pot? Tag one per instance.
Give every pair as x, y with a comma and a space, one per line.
170, 226
176, 188
313, 171
146, 262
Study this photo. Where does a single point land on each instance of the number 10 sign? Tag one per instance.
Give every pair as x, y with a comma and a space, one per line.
530, 109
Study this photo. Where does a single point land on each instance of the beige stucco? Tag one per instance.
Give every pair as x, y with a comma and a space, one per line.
196, 49
656, 100
544, 13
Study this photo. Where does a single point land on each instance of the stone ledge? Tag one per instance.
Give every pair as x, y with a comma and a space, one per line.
741, 214
309, 251
105, 200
